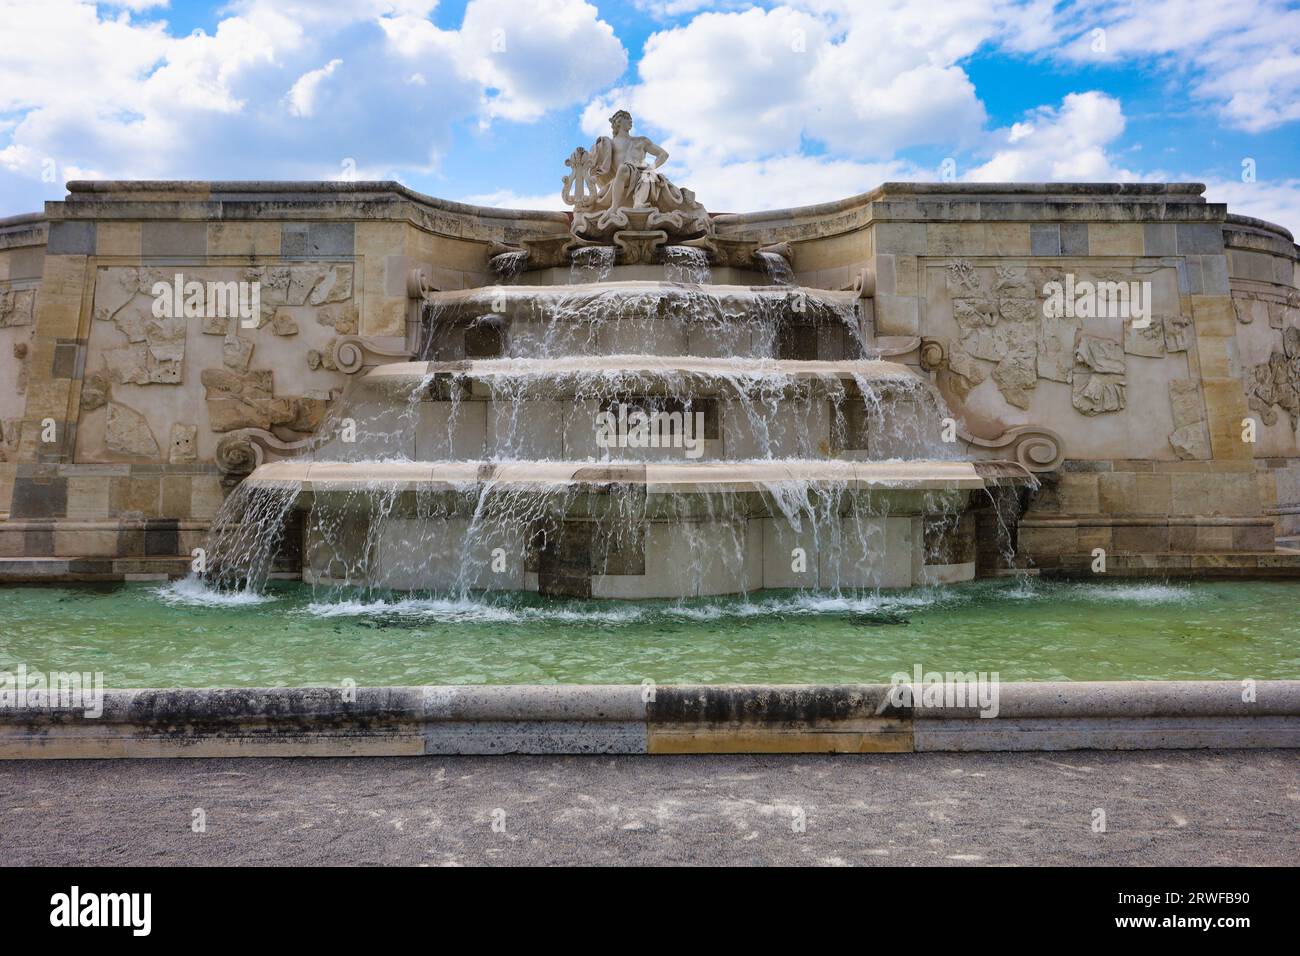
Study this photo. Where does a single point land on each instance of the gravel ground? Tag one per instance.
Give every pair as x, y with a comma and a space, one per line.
1161, 807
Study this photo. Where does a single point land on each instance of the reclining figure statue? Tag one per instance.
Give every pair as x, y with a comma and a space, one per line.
614, 187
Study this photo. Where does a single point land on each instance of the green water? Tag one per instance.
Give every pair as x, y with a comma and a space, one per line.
179, 635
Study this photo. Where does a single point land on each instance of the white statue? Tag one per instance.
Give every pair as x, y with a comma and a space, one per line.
614, 187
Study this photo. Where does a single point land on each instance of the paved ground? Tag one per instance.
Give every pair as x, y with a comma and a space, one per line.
1162, 807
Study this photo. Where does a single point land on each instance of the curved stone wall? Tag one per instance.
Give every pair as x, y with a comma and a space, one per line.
110, 418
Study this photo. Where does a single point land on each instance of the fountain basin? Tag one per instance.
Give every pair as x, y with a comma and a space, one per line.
666, 318
634, 531
582, 407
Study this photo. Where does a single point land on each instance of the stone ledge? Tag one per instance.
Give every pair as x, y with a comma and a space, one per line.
679, 719
84, 570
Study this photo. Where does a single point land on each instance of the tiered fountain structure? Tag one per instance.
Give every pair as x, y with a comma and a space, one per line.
628, 414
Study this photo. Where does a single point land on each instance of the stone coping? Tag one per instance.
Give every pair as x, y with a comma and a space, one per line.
704, 477
976, 192
22, 219
1235, 219
856, 718
571, 292
130, 190
272, 199
655, 365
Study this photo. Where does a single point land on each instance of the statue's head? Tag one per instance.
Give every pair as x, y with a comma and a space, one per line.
621, 122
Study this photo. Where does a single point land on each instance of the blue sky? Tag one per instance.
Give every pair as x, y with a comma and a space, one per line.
760, 105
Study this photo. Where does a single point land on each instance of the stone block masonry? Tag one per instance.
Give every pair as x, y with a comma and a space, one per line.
118, 428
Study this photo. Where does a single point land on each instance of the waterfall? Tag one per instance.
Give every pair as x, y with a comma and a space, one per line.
687, 264
777, 267
648, 437
591, 264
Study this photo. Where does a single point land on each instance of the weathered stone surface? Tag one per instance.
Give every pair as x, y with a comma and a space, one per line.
967, 372
216, 324
998, 321
1056, 342
1148, 341
322, 358
308, 414
273, 283
334, 286
20, 353
1178, 331
342, 318
127, 364
127, 433
166, 350
114, 289
1097, 382
1100, 355
96, 389
1276, 383
1017, 374
155, 349
1190, 438
183, 445
245, 400
236, 353
17, 307
1095, 392
10, 431
283, 323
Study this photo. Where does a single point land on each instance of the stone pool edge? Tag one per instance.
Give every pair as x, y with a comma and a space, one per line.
666, 719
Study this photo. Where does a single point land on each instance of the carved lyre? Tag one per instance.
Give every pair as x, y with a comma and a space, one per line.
578, 188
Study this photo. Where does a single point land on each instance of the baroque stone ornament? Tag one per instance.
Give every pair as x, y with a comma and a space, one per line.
239, 452
1190, 438
1099, 382
997, 324
620, 197
1276, 383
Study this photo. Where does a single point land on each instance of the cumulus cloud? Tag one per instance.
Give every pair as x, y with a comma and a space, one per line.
1242, 57
280, 88
1065, 143
863, 80
1277, 201
302, 97
509, 199
786, 181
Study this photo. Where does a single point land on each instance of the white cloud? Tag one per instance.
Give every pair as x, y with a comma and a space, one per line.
528, 64
302, 97
864, 80
666, 9
508, 199
1062, 144
280, 88
1277, 201
788, 181
1241, 56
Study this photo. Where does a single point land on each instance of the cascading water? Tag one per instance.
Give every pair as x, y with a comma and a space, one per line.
687, 264
616, 438
507, 266
591, 264
777, 267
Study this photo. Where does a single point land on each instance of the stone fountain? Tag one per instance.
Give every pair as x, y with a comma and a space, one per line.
637, 410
